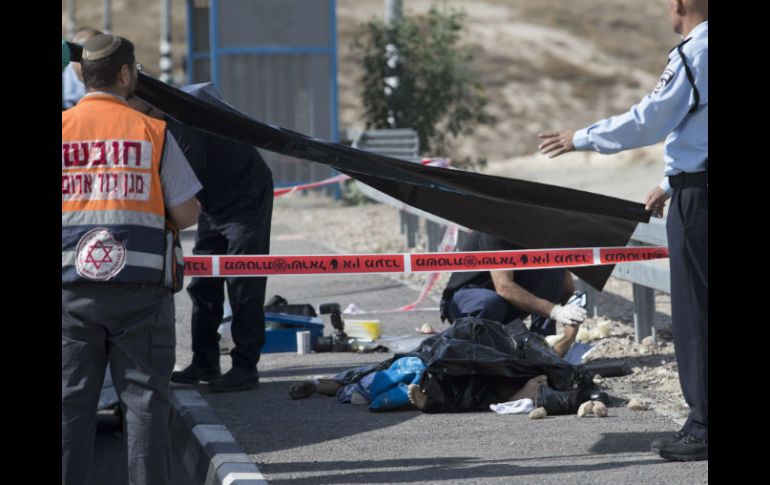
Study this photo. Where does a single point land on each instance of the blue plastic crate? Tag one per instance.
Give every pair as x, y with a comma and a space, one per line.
285, 339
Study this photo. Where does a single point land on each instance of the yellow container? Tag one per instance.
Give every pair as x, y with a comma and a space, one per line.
362, 328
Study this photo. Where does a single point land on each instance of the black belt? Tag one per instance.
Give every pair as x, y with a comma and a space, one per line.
695, 179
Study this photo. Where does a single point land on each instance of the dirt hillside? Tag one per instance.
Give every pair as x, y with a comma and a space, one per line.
545, 63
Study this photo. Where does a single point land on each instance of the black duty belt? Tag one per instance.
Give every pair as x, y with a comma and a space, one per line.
695, 179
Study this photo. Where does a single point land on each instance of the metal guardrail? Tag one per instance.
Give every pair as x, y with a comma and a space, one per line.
646, 277
405, 145
402, 143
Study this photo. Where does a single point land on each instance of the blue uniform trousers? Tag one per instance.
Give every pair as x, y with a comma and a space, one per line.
487, 304
247, 232
688, 232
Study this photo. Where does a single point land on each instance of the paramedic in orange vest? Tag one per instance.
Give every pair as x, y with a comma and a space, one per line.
127, 189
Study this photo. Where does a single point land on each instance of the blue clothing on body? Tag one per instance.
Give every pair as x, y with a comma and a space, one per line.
389, 387
345, 393
663, 112
385, 389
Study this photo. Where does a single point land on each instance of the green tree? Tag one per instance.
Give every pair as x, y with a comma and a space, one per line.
437, 94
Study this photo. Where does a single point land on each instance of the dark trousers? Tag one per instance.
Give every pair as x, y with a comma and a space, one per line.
688, 232
132, 329
242, 233
487, 304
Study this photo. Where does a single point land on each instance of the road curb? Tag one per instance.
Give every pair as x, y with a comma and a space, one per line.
205, 446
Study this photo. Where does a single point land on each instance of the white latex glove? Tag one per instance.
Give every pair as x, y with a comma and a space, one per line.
568, 314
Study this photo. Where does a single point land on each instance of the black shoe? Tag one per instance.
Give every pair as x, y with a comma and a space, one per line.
236, 379
688, 448
192, 374
595, 395
659, 443
557, 402
567, 402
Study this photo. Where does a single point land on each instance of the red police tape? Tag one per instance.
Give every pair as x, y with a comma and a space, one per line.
448, 243
313, 185
223, 265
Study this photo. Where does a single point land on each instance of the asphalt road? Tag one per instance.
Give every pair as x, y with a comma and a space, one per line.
320, 441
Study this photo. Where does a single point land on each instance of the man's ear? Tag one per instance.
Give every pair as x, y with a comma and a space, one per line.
125, 75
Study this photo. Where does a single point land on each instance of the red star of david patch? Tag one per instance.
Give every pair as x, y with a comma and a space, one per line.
99, 255
105, 254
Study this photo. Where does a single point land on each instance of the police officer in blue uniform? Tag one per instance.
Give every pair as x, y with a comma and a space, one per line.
677, 109
507, 295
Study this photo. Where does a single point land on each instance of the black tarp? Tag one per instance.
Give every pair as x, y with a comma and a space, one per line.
528, 214
477, 362
470, 362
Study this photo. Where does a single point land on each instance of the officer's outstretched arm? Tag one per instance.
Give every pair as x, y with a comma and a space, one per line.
185, 214
647, 122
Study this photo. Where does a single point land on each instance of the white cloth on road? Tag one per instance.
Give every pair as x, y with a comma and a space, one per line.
522, 406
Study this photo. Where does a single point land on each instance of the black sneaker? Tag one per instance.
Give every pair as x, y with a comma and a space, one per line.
192, 374
689, 448
236, 379
659, 443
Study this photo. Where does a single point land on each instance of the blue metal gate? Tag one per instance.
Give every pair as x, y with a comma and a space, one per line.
275, 60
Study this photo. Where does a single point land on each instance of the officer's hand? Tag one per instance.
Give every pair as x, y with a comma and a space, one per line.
556, 142
568, 314
656, 201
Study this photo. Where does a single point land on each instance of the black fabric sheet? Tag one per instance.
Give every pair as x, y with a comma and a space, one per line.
477, 362
467, 363
529, 214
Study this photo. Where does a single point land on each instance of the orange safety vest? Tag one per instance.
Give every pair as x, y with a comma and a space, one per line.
113, 215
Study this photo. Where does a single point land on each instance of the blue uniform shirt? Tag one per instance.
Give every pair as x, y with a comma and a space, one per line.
664, 112
71, 88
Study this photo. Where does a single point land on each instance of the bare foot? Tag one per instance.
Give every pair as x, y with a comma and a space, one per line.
327, 387
305, 389
416, 397
302, 390
529, 391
